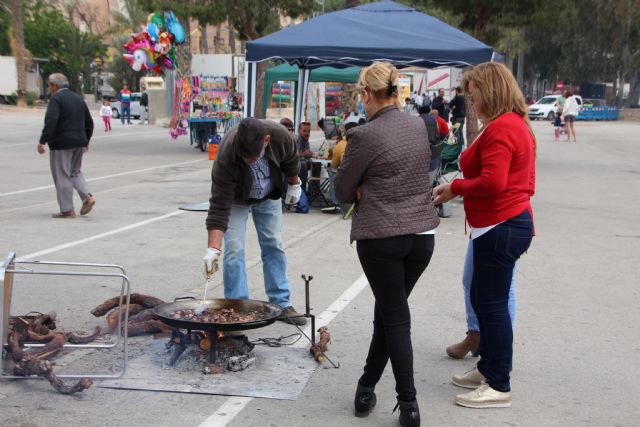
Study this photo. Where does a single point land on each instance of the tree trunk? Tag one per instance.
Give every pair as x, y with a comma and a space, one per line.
262, 67
471, 122
19, 52
634, 91
204, 42
480, 28
217, 39
232, 39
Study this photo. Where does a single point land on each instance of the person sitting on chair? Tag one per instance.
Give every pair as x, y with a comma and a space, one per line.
304, 152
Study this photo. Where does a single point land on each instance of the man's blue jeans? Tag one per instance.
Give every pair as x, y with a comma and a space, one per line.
125, 110
467, 274
267, 218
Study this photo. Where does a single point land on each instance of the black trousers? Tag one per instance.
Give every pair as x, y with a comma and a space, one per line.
392, 266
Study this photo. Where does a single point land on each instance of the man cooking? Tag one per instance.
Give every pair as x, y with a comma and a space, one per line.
254, 159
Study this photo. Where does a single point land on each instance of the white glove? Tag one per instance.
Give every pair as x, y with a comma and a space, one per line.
210, 262
293, 194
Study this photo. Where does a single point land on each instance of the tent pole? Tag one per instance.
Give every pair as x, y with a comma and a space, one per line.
250, 88
303, 80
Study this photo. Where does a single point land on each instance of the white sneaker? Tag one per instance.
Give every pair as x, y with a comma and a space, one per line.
470, 379
484, 397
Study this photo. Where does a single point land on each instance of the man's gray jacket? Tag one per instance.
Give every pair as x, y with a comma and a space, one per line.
231, 179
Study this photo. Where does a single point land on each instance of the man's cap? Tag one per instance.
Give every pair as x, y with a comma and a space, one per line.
250, 136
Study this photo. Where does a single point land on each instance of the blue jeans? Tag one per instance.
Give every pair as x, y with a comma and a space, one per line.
267, 218
125, 110
494, 257
467, 274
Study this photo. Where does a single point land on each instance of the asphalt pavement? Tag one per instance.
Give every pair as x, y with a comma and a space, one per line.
576, 335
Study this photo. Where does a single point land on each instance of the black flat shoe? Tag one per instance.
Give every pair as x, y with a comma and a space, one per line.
409, 413
364, 401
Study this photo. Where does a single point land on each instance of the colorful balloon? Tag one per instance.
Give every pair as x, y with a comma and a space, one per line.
153, 48
174, 27
152, 30
157, 19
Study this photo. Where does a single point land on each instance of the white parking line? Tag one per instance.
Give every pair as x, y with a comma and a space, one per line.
100, 236
116, 135
234, 405
115, 175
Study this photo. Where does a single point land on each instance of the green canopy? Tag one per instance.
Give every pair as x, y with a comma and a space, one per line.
289, 73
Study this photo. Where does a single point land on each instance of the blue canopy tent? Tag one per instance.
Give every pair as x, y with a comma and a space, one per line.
382, 31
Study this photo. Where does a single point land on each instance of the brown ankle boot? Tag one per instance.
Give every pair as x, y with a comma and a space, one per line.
469, 343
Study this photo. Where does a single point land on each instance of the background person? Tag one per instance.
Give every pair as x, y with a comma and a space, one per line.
124, 96
443, 126
384, 171
144, 103
499, 180
569, 113
458, 112
304, 152
105, 113
68, 127
254, 159
440, 105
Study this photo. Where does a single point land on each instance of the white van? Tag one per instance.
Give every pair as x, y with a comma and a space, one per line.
545, 107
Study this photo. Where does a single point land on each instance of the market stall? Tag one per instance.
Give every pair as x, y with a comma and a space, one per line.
206, 106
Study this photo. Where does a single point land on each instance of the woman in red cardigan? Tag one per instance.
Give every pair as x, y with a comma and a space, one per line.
499, 180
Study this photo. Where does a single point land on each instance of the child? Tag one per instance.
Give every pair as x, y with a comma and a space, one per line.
105, 113
557, 126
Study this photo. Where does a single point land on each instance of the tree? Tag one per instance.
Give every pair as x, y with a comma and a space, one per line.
49, 34
19, 51
251, 19
5, 29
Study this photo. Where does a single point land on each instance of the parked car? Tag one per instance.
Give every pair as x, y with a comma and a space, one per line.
136, 109
545, 108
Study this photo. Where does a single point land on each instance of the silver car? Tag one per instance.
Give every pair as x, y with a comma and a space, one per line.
135, 107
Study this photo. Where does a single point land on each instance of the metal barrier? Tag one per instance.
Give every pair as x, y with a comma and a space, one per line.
598, 113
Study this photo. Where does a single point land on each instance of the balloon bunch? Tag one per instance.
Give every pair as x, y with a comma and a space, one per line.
153, 48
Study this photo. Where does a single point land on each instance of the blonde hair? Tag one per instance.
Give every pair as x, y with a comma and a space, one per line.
381, 78
499, 92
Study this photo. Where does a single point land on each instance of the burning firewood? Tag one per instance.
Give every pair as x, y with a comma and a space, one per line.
28, 364
145, 300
